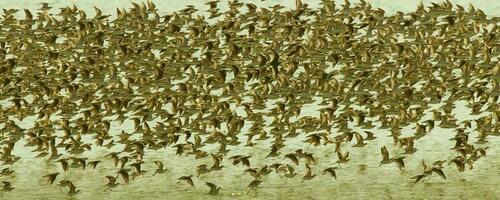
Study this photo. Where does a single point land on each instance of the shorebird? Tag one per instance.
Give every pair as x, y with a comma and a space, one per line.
51, 177
385, 156
159, 169
94, 163
359, 140
331, 171
188, 180
309, 175
111, 181
214, 189
253, 185
124, 174
342, 158
429, 170
6, 187
72, 189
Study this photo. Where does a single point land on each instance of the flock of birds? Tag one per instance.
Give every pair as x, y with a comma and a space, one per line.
180, 80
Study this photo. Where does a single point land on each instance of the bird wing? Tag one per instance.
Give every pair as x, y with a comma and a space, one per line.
439, 172
111, 179
385, 153
293, 158
124, 175
211, 185
359, 138
159, 164
190, 181
369, 134
216, 160
400, 162
418, 177
72, 187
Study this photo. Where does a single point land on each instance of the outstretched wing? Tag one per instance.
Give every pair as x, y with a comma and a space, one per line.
385, 153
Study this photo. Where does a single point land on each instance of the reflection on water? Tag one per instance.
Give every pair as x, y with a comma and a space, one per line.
360, 178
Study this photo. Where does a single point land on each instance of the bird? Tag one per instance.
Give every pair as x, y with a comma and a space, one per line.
331, 171
51, 177
399, 161
6, 171
309, 175
429, 170
137, 166
94, 163
124, 174
160, 169
216, 163
439, 172
64, 164
359, 140
342, 158
459, 161
253, 185
293, 158
214, 189
45, 6
289, 172
419, 177
111, 181
385, 156
72, 189
202, 169
370, 135
187, 179
6, 187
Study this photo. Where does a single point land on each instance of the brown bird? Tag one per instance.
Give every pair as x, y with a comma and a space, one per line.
6, 187
409, 147
111, 181
6, 171
290, 172
138, 168
459, 162
124, 174
359, 140
64, 164
159, 169
399, 161
188, 180
419, 177
370, 135
213, 188
51, 177
293, 158
343, 158
216, 166
308, 175
385, 156
253, 185
115, 157
72, 189
202, 169
331, 171
94, 163
439, 172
